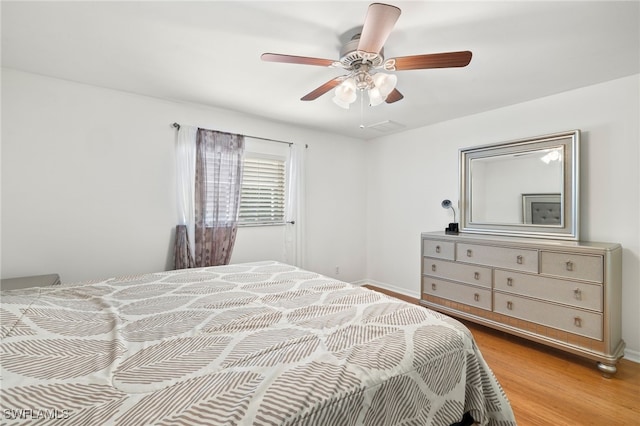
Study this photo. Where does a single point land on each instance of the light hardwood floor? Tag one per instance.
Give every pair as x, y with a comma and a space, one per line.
549, 387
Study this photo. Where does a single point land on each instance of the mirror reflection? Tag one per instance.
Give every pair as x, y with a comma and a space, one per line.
519, 188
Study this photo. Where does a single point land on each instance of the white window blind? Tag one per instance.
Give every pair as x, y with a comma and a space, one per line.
262, 199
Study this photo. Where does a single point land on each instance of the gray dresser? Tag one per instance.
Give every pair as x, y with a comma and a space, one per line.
565, 294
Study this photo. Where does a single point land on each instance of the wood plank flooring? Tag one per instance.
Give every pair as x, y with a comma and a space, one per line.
549, 387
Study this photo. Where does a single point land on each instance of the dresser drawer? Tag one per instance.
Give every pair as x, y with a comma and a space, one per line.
471, 274
578, 266
439, 249
461, 293
572, 320
503, 257
581, 295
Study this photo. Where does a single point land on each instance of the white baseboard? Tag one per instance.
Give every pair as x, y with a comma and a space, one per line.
385, 286
631, 355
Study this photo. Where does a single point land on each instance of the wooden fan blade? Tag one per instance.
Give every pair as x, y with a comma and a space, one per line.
394, 96
315, 94
433, 60
290, 59
378, 24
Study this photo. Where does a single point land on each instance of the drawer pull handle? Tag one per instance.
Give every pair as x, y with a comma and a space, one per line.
476, 297
569, 265
519, 260
437, 249
476, 275
510, 306
510, 282
577, 321
577, 293
433, 268
433, 286
469, 252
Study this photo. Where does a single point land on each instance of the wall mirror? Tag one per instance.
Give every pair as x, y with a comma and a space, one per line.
525, 188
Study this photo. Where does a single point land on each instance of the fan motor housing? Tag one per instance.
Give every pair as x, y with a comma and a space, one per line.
351, 56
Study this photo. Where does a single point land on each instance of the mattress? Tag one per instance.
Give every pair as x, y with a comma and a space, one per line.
248, 344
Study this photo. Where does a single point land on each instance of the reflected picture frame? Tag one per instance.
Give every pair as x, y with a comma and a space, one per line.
542, 209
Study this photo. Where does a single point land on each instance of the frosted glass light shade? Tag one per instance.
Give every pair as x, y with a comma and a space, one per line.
385, 83
375, 98
342, 104
346, 91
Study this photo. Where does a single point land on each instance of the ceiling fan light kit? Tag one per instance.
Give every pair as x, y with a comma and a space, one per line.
378, 87
363, 56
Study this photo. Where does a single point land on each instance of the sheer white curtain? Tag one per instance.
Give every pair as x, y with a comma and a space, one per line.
185, 196
294, 233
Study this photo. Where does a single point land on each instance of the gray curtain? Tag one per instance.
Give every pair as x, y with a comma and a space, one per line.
181, 253
217, 195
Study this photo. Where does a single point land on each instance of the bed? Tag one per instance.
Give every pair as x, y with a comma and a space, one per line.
249, 344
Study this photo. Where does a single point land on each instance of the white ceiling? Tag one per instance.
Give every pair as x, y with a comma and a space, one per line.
208, 52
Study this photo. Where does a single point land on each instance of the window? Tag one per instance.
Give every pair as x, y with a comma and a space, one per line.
262, 199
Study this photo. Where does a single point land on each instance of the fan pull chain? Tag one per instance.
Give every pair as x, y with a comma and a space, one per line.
362, 109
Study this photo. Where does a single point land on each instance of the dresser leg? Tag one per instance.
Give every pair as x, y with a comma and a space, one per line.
607, 370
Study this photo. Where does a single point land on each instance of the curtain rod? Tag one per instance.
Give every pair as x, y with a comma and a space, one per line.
177, 126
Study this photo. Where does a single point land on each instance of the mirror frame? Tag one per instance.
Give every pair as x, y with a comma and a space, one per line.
569, 226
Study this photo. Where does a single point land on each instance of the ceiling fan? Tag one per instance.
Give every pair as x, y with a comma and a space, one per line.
363, 58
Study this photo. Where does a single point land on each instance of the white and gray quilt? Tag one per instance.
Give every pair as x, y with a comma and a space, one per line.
248, 344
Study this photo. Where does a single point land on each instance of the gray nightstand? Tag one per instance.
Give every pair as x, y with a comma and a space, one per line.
33, 281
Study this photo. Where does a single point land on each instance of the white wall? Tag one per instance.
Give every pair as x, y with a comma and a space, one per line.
88, 183
411, 173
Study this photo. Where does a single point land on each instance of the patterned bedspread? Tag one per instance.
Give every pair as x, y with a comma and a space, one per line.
248, 344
